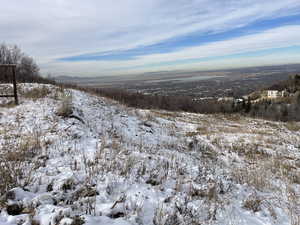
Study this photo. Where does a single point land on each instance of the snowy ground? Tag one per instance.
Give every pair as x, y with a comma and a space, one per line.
104, 163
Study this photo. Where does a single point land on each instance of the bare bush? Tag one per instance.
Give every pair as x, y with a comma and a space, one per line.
293, 206
66, 107
36, 93
257, 176
16, 164
253, 203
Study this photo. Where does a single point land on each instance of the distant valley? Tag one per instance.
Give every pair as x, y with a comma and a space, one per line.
197, 84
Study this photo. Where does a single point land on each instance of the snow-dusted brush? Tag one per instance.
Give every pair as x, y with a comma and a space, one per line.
71, 158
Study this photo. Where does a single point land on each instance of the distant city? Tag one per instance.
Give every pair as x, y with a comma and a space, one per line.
197, 84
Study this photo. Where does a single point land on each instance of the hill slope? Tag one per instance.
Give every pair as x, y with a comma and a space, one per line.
68, 157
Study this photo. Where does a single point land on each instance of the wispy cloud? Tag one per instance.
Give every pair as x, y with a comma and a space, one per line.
134, 33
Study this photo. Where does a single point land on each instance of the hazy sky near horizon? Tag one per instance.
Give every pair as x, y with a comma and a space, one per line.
101, 37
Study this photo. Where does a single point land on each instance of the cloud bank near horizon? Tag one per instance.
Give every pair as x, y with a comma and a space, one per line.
95, 38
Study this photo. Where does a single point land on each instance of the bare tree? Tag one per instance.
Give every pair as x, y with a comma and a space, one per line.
27, 69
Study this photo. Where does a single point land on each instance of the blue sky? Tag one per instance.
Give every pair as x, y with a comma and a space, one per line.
100, 38
189, 40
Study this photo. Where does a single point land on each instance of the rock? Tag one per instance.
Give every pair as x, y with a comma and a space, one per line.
147, 124
11, 195
68, 185
153, 182
50, 187
14, 209
115, 215
77, 220
44, 199
84, 192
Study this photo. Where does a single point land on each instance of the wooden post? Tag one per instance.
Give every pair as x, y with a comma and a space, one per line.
15, 85
13, 70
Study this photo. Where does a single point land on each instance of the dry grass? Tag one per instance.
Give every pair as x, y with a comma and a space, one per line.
36, 93
233, 117
208, 129
166, 115
16, 162
250, 151
264, 132
253, 203
145, 115
262, 169
292, 126
254, 175
231, 129
66, 107
273, 125
285, 169
293, 206
203, 130
192, 134
8, 104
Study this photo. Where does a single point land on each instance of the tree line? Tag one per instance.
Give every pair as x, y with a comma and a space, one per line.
27, 69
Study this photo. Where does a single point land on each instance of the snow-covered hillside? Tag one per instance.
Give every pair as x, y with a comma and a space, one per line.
69, 157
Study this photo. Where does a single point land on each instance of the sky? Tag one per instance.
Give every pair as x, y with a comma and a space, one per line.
106, 38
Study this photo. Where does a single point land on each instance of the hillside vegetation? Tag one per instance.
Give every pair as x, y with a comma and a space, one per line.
292, 85
285, 108
279, 109
71, 158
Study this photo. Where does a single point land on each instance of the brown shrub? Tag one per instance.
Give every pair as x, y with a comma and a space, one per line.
36, 93
253, 203
66, 108
16, 164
